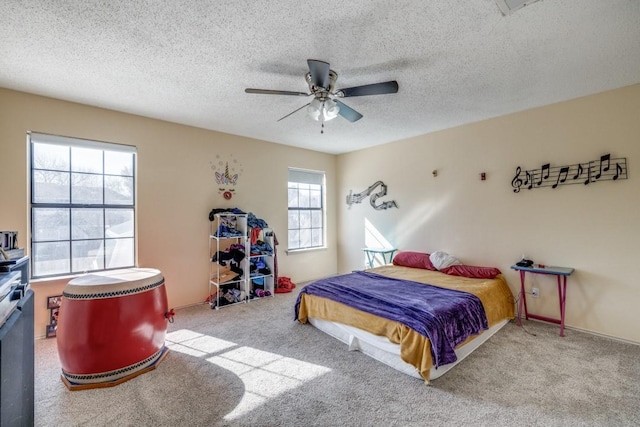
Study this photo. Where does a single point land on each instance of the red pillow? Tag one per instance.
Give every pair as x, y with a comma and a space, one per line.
472, 271
414, 260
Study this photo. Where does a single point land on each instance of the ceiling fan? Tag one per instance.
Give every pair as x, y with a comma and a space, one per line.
326, 105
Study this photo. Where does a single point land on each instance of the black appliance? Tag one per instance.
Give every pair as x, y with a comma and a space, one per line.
16, 345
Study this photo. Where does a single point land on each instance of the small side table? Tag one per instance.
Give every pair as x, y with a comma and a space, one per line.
383, 252
561, 274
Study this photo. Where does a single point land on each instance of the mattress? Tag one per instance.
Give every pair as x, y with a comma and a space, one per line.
396, 344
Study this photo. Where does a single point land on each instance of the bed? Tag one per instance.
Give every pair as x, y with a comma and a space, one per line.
345, 314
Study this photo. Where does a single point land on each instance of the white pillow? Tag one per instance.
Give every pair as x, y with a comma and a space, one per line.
441, 259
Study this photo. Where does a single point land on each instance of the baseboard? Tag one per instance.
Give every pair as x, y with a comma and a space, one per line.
586, 331
611, 337
190, 305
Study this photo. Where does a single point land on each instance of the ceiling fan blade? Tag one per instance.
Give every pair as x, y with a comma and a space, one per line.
372, 89
275, 92
319, 73
294, 111
348, 112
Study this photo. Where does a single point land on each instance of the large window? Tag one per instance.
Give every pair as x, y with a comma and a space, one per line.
306, 209
82, 205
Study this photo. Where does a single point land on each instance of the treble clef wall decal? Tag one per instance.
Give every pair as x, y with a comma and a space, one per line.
516, 183
359, 197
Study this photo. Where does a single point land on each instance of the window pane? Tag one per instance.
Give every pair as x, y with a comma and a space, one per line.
316, 237
294, 239
294, 220
315, 199
303, 198
51, 258
118, 190
305, 219
119, 253
119, 222
116, 163
293, 198
305, 238
52, 157
87, 255
316, 219
50, 187
86, 224
50, 224
86, 160
86, 189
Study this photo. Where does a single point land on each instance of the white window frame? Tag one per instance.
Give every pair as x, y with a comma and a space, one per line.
298, 231
105, 257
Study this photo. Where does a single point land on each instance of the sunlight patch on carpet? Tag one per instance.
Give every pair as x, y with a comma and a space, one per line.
265, 375
196, 344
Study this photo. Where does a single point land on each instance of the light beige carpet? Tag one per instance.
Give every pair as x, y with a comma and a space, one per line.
252, 365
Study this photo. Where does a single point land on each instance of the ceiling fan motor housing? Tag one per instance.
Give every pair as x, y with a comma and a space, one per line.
323, 91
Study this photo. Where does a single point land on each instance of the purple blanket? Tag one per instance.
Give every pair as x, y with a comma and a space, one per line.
447, 317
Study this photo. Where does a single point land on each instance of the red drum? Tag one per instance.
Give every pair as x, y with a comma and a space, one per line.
112, 326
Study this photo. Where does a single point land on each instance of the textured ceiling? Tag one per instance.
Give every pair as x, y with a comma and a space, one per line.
189, 61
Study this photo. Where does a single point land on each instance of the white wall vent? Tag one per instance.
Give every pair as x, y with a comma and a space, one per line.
509, 6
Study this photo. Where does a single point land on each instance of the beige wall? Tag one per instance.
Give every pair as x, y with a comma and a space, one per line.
591, 228
176, 189
594, 228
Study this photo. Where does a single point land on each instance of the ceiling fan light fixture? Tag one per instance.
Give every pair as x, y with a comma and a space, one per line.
331, 109
323, 110
315, 109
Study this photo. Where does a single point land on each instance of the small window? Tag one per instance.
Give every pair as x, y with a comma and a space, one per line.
82, 205
306, 209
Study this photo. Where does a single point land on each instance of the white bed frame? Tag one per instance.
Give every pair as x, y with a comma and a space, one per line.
383, 350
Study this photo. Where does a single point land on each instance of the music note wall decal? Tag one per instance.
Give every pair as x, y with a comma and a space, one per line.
564, 171
606, 157
619, 171
554, 176
359, 197
544, 176
578, 172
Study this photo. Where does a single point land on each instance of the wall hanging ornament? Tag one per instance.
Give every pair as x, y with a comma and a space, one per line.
359, 197
226, 175
604, 169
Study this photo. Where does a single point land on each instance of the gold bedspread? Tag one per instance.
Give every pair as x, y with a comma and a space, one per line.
415, 349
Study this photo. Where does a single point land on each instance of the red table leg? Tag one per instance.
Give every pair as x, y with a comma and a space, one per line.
522, 302
562, 295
